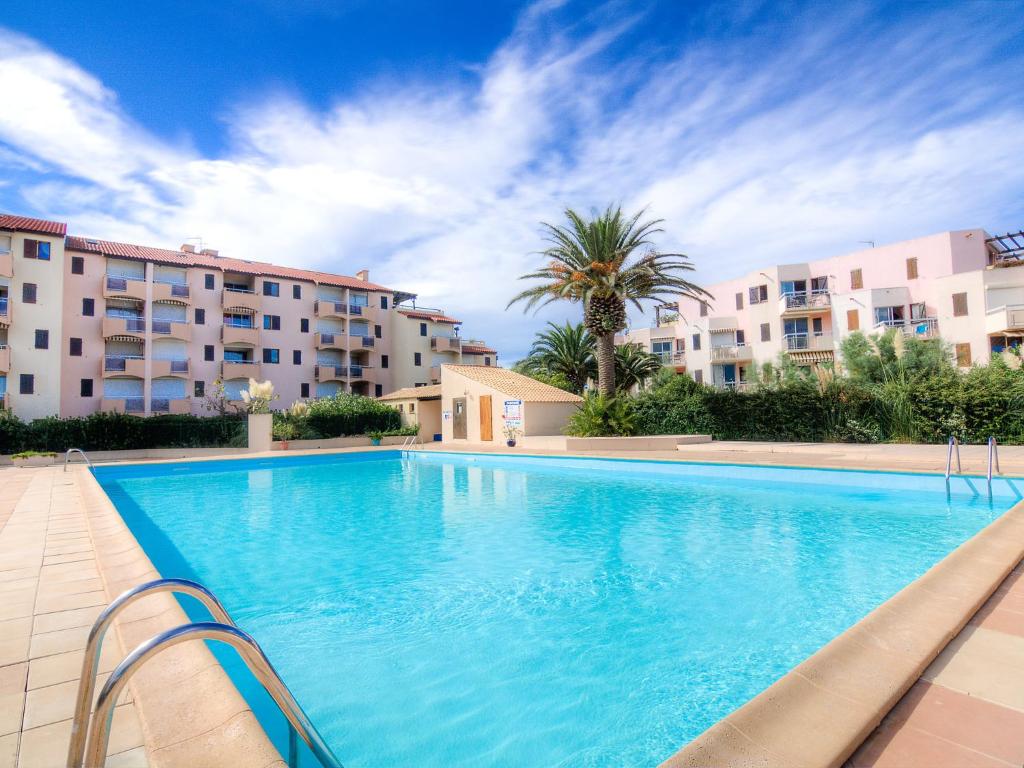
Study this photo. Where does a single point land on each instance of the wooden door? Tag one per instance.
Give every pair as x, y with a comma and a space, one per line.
459, 418
486, 413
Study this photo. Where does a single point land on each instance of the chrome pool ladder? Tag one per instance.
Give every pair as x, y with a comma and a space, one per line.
953, 442
993, 458
409, 444
67, 457
90, 734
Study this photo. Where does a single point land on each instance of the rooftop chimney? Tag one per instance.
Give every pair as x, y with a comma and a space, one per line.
188, 248
364, 275
209, 252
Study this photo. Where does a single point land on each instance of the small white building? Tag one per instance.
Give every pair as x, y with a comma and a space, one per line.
419, 406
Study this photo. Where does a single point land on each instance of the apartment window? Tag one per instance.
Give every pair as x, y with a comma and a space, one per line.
963, 355
378, 390
26, 384
698, 376
856, 279
271, 356
28, 293
200, 389
487, 361
739, 300
703, 309
816, 326
912, 269
42, 339
209, 282
37, 249
200, 316
696, 342
852, 320
383, 302
412, 407
417, 358
304, 390
423, 329
271, 289
75, 347
383, 361
296, 357
766, 332
304, 325
680, 345
77, 266
272, 322
741, 338
296, 291
757, 294
959, 304
376, 331
401, 408
85, 388
208, 352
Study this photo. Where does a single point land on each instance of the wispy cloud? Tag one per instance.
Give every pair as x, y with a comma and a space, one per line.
782, 142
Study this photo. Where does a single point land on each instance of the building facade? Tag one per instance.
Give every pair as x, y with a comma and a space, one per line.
963, 286
90, 325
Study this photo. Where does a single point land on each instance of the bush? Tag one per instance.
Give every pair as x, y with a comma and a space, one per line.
601, 416
347, 414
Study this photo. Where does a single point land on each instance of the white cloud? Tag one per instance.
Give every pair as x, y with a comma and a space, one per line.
828, 131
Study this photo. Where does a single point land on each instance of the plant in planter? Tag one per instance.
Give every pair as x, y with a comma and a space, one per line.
511, 434
33, 458
257, 399
375, 437
285, 431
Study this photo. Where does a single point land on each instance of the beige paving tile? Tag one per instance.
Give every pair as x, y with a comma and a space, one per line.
9, 750
224, 746
60, 641
72, 558
68, 602
64, 667
47, 746
12, 697
132, 758
75, 617
15, 635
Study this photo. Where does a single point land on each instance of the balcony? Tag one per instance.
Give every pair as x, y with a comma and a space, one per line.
124, 365
6, 264
329, 372
366, 342
734, 353
1006, 319
124, 287
238, 300
445, 344
163, 405
5, 312
176, 368
809, 342
231, 369
327, 308
358, 372
173, 292
5, 358
671, 358
246, 335
166, 329
805, 303
921, 328
330, 341
124, 327
134, 405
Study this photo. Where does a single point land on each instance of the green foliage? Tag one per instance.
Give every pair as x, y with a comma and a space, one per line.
634, 367
31, 454
564, 353
546, 377
603, 416
348, 414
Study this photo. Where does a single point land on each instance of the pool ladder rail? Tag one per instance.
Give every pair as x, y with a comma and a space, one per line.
67, 457
993, 461
90, 735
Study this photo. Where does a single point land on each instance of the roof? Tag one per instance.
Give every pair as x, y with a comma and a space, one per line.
478, 349
180, 258
434, 317
25, 224
414, 393
514, 384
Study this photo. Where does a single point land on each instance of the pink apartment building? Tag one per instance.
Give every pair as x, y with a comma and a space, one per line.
90, 325
960, 286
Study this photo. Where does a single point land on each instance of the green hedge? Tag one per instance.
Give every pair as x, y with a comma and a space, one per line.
118, 432
347, 414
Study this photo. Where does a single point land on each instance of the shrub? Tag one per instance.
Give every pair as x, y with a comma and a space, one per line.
347, 414
601, 416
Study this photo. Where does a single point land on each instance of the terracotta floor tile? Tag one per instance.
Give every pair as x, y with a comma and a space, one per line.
1000, 620
906, 747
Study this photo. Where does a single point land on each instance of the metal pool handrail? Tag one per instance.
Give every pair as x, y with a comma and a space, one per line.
90, 664
949, 456
67, 456
993, 456
254, 658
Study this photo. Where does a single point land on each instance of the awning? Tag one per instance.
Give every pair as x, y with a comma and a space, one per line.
812, 356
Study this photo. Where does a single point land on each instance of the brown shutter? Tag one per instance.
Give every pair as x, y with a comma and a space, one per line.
703, 309
766, 332
959, 304
912, 269
739, 300
856, 279
31, 248
852, 320
963, 355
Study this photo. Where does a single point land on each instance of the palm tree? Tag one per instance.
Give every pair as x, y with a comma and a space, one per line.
634, 366
590, 263
564, 349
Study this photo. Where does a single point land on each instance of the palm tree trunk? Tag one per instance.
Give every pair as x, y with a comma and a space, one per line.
606, 363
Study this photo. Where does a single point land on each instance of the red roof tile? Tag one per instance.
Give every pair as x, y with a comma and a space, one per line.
433, 317
477, 349
165, 256
25, 224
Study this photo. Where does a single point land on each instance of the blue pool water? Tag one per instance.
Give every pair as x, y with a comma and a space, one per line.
460, 610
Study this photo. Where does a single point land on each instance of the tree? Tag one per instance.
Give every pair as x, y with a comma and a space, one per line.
595, 263
634, 367
566, 351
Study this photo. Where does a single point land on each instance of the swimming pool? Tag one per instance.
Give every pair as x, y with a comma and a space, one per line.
459, 609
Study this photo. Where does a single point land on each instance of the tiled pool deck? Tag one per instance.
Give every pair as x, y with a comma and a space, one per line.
64, 553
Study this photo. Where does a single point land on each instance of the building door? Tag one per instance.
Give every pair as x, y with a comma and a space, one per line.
459, 418
729, 374
486, 414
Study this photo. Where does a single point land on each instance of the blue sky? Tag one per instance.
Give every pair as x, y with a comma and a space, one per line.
427, 141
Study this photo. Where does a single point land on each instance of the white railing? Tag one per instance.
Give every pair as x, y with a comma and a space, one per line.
921, 328
799, 342
733, 352
815, 299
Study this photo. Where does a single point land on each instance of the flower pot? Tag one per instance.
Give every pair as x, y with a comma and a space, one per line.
510, 443
261, 427
374, 441
284, 445
34, 461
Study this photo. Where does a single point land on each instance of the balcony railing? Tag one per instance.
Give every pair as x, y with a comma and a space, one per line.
118, 362
671, 358
798, 342
1007, 318
134, 405
731, 353
235, 289
806, 300
921, 328
368, 341
355, 309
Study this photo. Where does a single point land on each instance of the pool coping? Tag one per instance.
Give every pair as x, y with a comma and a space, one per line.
190, 710
817, 714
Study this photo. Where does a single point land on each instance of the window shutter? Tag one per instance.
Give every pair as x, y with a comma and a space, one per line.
959, 304
852, 320
856, 279
739, 300
912, 269
963, 355
766, 332
31, 248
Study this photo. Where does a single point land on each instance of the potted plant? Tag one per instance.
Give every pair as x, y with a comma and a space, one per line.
511, 433
284, 432
33, 458
375, 437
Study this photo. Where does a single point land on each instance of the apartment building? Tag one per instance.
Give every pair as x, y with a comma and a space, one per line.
90, 325
426, 339
962, 286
